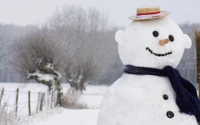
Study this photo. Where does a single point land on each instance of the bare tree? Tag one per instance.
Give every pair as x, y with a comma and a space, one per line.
85, 36
8, 35
4, 42
1, 48
1, 41
38, 57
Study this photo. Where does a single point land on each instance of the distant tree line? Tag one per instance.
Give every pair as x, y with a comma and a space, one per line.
74, 43
77, 43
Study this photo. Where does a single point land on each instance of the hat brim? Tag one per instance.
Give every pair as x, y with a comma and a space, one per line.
149, 17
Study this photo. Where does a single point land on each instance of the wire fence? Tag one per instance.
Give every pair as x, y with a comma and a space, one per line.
43, 100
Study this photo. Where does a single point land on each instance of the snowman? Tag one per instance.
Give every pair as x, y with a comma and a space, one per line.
151, 91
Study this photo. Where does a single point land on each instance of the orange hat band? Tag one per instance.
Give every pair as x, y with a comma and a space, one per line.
139, 14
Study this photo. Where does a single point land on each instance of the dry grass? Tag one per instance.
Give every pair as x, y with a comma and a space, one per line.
8, 118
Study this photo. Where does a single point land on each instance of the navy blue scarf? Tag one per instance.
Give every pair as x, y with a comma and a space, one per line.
186, 94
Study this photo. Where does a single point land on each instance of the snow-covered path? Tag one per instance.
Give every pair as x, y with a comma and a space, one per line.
61, 116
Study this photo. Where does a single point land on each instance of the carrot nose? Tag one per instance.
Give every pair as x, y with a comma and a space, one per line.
163, 42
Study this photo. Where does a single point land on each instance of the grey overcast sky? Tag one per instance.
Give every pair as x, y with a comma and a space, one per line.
24, 12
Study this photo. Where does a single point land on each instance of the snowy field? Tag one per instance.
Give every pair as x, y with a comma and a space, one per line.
92, 97
61, 116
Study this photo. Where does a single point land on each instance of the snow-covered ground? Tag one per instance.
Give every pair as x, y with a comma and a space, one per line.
9, 97
61, 116
92, 97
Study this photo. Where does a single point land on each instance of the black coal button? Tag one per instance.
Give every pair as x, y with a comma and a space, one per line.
170, 114
165, 97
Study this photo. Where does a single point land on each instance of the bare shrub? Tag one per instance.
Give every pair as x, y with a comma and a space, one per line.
71, 100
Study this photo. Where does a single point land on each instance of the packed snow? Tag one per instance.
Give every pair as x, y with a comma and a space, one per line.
61, 116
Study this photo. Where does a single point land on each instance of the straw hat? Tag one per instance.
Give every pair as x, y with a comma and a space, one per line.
149, 13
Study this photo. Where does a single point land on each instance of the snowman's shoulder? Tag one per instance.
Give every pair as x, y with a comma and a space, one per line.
122, 92
141, 82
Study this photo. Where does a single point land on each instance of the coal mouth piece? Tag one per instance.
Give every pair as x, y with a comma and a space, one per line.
158, 54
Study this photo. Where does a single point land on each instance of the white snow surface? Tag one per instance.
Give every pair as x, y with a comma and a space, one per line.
61, 116
92, 97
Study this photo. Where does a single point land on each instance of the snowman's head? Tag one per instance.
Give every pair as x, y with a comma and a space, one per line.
152, 43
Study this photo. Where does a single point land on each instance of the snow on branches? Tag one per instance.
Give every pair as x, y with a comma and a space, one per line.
46, 74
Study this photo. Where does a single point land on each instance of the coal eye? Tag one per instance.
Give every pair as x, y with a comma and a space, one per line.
155, 33
171, 38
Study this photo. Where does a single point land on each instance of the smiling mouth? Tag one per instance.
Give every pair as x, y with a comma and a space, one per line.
158, 54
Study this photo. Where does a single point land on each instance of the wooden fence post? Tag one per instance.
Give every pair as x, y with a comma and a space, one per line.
197, 39
48, 100
16, 102
41, 102
52, 99
1, 97
29, 103
38, 102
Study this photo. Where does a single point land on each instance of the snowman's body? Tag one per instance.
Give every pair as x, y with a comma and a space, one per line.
142, 100
146, 99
